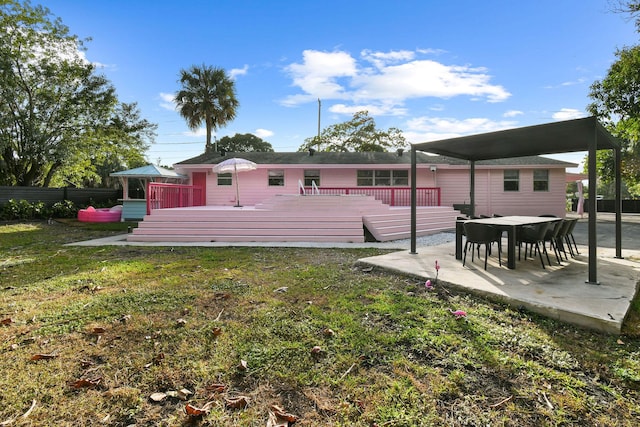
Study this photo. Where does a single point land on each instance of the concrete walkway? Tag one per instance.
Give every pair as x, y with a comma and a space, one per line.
559, 291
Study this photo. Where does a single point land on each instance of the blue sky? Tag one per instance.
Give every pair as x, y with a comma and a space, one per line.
434, 69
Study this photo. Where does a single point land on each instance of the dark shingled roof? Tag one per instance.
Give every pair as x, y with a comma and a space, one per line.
351, 158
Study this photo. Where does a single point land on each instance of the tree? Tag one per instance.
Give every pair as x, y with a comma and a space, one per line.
616, 103
56, 113
358, 134
243, 143
208, 95
118, 145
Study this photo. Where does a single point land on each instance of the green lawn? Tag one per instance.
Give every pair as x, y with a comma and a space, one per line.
89, 334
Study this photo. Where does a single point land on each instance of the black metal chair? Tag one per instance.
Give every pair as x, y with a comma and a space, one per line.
551, 236
482, 234
532, 236
569, 236
562, 239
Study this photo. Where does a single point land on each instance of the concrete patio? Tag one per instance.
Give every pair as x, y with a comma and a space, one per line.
559, 291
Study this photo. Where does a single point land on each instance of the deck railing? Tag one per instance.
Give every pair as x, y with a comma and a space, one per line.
160, 196
393, 196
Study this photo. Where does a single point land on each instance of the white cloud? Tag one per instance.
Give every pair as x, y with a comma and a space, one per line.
512, 113
374, 110
263, 133
318, 76
238, 71
168, 101
425, 129
380, 59
394, 78
568, 114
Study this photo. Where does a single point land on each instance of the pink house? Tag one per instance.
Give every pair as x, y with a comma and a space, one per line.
370, 191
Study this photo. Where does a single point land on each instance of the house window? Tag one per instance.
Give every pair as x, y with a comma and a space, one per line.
511, 180
541, 180
224, 179
365, 178
311, 176
382, 178
400, 178
276, 177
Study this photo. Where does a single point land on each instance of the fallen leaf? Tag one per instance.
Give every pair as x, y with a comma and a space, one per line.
217, 331
98, 330
221, 295
41, 356
157, 359
184, 393
6, 321
158, 397
239, 402
283, 415
316, 349
193, 411
620, 342
274, 421
243, 365
181, 322
328, 332
124, 319
84, 383
216, 388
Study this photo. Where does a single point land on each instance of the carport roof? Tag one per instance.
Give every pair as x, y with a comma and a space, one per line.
551, 138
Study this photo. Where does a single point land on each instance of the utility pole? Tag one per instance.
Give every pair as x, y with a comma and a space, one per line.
319, 108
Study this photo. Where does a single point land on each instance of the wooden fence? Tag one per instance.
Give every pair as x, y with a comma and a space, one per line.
79, 196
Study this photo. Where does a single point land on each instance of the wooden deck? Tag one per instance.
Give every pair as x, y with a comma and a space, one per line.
292, 218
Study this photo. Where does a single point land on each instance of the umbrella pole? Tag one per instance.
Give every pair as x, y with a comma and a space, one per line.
237, 191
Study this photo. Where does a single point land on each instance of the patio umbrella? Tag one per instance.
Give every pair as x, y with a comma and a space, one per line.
235, 165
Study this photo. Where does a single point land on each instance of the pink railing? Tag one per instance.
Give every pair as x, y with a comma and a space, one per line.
392, 196
160, 196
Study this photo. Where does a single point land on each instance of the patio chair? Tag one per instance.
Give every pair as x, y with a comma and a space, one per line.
532, 236
482, 234
551, 236
569, 236
562, 239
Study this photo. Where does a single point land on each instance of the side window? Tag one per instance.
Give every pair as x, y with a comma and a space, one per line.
382, 178
365, 178
511, 180
224, 179
311, 176
276, 177
541, 180
400, 178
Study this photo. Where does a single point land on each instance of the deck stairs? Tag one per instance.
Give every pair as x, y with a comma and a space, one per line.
292, 218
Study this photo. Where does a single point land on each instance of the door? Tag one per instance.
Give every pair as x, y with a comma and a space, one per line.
200, 179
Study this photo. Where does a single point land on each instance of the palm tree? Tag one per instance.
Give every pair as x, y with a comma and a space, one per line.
208, 95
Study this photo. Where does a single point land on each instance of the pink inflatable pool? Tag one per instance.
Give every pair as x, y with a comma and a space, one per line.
92, 214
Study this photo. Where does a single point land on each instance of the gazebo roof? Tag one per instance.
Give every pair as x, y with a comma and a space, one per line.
550, 138
148, 171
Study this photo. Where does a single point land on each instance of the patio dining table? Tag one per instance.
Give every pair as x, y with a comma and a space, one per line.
504, 223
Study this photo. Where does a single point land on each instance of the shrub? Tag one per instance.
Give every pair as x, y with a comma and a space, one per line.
64, 209
23, 209
17, 209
